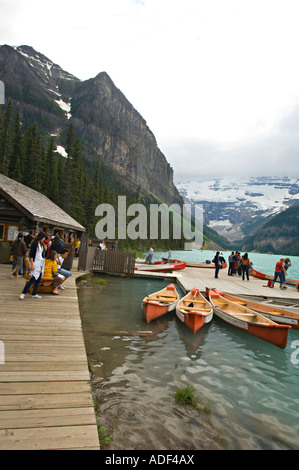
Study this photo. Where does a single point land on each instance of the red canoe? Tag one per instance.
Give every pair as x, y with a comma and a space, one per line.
278, 315
245, 319
160, 302
191, 264
160, 267
194, 310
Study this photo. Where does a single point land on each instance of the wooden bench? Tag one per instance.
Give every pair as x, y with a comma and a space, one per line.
45, 285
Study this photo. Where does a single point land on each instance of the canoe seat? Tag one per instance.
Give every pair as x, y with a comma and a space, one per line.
277, 313
167, 296
162, 299
198, 309
243, 314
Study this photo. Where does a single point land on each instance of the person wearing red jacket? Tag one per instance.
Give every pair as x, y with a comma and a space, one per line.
280, 273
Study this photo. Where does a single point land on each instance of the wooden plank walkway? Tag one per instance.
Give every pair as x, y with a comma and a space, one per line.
45, 393
204, 277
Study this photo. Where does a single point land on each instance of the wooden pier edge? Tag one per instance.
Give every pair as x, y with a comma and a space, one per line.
45, 393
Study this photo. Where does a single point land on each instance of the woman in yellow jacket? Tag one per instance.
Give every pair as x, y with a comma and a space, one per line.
51, 271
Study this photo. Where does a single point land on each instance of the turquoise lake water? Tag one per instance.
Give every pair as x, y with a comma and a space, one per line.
251, 386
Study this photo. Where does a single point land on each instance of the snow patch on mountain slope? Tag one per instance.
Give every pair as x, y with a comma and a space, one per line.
232, 204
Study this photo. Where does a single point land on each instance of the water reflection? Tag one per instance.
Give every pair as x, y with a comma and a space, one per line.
250, 384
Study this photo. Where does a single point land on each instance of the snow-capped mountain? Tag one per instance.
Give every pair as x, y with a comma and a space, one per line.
50, 75
237, 207
110, 129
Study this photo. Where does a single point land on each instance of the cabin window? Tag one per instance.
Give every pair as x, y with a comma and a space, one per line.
12, 232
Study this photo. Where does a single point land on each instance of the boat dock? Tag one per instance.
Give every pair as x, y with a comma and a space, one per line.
45, 394
205, 277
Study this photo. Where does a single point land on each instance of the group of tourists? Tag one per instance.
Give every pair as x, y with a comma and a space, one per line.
241, 265
237, 264
42, 258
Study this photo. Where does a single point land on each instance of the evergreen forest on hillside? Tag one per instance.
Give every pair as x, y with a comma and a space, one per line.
29, 157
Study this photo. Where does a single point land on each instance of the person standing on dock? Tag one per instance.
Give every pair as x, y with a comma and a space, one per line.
18, 251
217, 262
230, 264
280, 273
150, 255
245, 264
37, 265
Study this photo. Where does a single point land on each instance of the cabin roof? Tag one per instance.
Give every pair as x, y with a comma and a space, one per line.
35, 205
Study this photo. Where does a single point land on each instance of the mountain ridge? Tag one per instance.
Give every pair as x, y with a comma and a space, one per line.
239, 207
108, 123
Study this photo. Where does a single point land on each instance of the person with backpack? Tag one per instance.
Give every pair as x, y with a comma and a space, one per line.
218, 263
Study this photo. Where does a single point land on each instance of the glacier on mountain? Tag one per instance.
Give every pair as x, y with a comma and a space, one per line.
232, 206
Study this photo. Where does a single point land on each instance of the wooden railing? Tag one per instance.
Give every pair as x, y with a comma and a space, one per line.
91, 258
114, 262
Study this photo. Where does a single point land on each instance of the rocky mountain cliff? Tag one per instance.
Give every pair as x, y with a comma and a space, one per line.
107, 123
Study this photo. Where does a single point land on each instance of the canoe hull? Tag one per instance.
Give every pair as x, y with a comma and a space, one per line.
191, 264
159, 303
198, 315
194, 321
264, 328
153, 310
278, 315
161, 267
276, 335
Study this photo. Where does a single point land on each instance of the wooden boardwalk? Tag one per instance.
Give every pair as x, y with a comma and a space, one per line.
45, 393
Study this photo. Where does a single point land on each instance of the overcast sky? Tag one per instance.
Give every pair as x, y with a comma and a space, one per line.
216, 80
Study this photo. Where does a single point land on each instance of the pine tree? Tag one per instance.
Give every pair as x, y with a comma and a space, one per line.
77, 210
51, 178
6, 144
16, 158
34, 159
61, 164
65, 194
93, 197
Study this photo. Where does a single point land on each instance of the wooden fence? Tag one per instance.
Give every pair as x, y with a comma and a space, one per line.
86, 254
114, 262
91, 258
